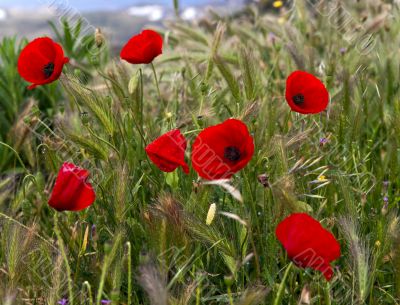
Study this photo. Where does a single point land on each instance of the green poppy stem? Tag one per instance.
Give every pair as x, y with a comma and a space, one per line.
281, 288
327, 289
156, 80
65, 258
129, 257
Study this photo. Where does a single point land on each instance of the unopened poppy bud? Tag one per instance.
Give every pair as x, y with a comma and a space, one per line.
99, 38
228, 280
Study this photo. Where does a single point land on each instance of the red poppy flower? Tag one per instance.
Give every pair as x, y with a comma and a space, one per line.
168, 151
308, 244
142, 48
220, 151
305, 93
71, 191
41, 62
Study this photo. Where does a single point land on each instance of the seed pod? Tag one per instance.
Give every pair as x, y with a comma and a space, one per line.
99, 38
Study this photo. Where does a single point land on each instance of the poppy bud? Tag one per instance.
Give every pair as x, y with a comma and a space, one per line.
71, 191
99, 38
229, 280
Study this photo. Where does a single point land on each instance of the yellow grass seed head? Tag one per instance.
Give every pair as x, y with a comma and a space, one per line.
211, 214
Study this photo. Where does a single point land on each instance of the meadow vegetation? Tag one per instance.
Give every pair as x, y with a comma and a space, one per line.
147, 239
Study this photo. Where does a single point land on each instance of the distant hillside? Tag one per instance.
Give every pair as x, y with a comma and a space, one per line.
118, 25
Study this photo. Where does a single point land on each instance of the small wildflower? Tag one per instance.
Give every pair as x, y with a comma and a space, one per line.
94, 232
377, 244
105, 302
168, 115
63, 302
343, 51
322, 178
211, 214
277, 4
386, 199
323, 141
263, 179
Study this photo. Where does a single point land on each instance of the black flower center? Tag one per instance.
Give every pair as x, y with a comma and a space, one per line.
48, 69
298, 99
232, 153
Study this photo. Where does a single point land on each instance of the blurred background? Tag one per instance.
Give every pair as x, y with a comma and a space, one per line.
119, 19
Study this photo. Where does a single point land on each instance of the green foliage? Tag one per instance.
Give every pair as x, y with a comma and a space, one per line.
145, 240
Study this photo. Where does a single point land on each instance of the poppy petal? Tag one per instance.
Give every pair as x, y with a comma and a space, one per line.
307, 243
167, 152
305, 93
220, 151
142, 48
41, 62
71, 190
